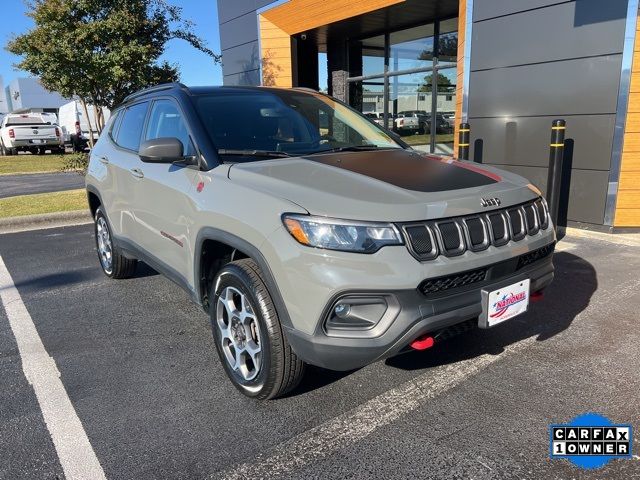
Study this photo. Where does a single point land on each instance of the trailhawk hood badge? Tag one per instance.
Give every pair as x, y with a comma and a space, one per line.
490, 202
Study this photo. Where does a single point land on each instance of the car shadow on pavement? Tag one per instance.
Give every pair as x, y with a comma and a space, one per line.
570, 293
72, 277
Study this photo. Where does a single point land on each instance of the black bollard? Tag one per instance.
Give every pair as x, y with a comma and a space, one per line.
554, 180
463, 141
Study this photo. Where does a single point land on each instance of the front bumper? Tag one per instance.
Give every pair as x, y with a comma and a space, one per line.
417, 314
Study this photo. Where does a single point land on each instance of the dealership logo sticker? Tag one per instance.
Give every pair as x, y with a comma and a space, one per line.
590, 441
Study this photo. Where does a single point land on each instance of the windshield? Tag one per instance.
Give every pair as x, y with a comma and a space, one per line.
288, 121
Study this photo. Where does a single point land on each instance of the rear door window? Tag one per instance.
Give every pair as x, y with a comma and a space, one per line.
131, 126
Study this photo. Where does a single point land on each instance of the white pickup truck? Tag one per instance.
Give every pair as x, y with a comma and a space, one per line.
29, 132
401, 124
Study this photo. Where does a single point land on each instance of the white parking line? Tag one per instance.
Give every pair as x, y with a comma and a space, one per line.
76, 455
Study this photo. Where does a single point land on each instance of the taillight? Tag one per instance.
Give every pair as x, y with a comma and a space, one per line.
78, 131
57, 132
401, 122
12, 134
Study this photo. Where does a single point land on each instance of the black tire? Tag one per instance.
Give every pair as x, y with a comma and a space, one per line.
3, 150
280, 370
120, 266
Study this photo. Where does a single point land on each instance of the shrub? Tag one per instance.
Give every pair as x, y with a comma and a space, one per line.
76, 162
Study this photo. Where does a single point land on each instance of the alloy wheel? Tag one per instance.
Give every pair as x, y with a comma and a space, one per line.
105, 249
239, 333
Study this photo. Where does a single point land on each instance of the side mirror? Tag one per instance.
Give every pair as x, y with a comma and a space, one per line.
161, 150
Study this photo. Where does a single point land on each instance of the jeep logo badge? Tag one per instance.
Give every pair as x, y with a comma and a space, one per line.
490, 202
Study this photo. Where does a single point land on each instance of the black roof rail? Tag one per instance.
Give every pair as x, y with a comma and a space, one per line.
155, 88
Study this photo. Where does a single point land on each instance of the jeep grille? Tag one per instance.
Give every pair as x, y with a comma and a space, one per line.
453, 236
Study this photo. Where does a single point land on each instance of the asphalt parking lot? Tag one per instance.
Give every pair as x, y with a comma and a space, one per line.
137, 363
26, 184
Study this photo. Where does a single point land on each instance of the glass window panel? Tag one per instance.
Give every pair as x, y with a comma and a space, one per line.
372, 55
131, 126
446, 107
409, 109
411, 48
448, 42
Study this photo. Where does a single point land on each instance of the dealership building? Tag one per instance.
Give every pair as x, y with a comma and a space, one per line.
508, 68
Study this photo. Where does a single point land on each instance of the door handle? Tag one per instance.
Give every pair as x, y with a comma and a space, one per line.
136, 172
104, 160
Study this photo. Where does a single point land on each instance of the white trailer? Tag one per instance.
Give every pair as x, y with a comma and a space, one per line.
76, 127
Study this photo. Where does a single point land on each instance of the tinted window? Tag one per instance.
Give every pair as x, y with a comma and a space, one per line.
130, 131
166, 121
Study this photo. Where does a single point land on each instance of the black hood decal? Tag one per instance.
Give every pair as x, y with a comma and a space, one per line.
409, 170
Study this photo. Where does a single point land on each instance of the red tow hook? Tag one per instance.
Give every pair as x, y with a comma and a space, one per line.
422, 343
537, 296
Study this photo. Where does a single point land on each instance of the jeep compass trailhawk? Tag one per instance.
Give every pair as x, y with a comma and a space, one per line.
309, 233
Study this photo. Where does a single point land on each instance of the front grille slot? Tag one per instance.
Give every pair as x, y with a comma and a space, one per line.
543, 216
476, 232
499, 229
518, 231
451, 236
531, 217
440, 284
422, 240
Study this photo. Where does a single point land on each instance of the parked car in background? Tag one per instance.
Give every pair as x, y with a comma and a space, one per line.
406, 124
76, 128
29, 132
424, 121
451, 118
401, 124
377, 117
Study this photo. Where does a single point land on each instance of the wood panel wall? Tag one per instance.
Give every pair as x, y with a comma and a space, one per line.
275, 55
462, 22
628, 201
297, 16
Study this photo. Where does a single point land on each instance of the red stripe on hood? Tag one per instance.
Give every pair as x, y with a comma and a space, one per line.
473, 168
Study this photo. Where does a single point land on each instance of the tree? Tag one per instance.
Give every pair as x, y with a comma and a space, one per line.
443, 83
100, 51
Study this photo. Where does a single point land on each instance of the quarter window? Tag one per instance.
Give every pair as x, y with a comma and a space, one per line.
166, 121
130, 131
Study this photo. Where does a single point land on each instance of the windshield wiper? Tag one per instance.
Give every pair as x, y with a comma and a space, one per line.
353, 148
252, 153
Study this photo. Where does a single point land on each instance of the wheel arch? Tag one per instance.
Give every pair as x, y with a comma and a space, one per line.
233, 248
94, 199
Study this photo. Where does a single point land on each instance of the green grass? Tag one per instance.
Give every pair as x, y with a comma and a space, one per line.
425, 139
43, 203
16, 164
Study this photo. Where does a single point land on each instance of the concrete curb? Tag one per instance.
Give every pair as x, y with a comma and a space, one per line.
44, 220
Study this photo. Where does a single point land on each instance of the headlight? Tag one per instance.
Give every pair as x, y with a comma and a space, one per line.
346, 235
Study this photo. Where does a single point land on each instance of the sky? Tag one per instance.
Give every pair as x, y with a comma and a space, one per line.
195, 67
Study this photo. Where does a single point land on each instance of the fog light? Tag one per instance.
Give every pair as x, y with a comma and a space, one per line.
342, 310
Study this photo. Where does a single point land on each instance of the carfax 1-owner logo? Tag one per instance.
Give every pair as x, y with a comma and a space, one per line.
590, 441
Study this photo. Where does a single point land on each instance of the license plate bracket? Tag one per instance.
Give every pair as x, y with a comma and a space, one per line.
504, 303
